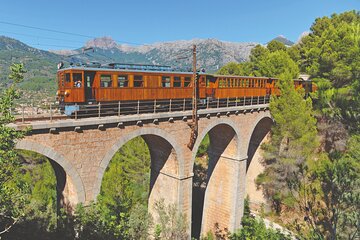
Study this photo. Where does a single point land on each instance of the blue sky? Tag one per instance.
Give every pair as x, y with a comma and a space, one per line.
160, 20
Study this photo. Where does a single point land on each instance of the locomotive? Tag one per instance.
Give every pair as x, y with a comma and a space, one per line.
94, 83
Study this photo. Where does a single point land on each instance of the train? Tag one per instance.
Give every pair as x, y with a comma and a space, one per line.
93, 83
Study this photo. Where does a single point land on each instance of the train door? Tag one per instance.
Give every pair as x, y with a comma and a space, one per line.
210, 86
89, 80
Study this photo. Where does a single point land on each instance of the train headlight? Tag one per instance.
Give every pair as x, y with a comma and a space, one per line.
58, 93
67, 93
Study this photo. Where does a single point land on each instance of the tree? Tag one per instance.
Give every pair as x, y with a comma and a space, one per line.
13, 189
276, 63
254, 229
328, 194
293, 143
275, 45
172, 224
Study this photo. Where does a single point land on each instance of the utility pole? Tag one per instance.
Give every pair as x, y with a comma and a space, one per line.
194, 123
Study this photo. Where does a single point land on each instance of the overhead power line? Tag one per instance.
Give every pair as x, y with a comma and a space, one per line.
46, 29
62, 32
42, 37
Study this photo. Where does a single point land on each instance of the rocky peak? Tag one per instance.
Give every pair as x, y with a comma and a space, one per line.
102, 42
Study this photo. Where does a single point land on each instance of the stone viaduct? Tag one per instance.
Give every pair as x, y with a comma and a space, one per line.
80, 151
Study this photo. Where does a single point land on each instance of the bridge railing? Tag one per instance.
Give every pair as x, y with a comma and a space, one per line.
52, 111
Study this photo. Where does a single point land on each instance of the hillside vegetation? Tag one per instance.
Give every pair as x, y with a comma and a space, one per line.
312, 163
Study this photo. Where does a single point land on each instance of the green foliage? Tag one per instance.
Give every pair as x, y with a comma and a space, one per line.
203, 146
255, 229
172, 223
277, 63
323, 187
127, 178
275, 45
121, 208
140, 222
270, 61
238, 69
14, 191
293, 143
331, 50
328, 194
331, 54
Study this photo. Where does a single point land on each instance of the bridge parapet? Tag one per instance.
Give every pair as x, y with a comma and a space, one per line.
134, 119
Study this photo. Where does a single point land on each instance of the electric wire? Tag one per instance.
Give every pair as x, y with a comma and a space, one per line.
34, 36
63, 32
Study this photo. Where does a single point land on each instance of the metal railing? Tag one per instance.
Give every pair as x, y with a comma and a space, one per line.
52, 111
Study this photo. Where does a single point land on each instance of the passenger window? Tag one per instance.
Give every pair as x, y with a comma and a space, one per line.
187, 81
177, 82
105, 81
221, 83
62, 79
67, 77
77, 79
165, 81
123, 81
138, 81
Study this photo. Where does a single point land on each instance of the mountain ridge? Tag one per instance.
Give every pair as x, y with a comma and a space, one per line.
41, 65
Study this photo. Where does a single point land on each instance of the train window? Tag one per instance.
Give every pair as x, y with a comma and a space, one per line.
165, 81
221, 83
77, 77
105, 81
123, 81
67, 77
138, 81
187, 81
62, 79
177, 82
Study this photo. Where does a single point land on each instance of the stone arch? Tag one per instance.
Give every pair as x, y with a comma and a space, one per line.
206, 131
260, 128
62, 168
162, 145
221, 194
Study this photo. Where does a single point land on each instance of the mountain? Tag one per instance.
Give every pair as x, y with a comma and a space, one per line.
41, 65
284, 40
211, 53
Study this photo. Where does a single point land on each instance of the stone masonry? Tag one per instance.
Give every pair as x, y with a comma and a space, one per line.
85, 153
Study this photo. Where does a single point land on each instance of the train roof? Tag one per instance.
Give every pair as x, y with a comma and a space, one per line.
235, 76
83, 68
144, 68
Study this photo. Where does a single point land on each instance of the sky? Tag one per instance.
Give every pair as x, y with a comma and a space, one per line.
135, 22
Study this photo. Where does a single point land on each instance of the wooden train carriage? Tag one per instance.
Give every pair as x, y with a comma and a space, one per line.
106, 85
238, 86
84, 85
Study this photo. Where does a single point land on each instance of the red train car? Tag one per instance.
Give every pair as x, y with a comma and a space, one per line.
91, 84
